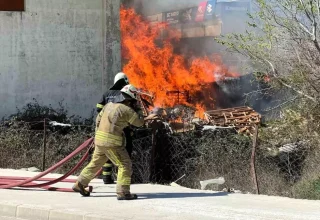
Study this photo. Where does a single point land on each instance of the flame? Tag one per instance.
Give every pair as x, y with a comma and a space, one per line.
200, 111
157, 69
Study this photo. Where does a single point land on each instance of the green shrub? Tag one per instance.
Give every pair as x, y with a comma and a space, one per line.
307, 189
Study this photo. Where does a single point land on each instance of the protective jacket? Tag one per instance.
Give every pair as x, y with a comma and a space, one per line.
112, 120
112, 95
109, 96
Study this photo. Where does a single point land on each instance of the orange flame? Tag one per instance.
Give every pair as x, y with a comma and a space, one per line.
157, 69
200, 111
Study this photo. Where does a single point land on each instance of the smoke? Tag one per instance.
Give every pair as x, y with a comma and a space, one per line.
168, 5
152, 7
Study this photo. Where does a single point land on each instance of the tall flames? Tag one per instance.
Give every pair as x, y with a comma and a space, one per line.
152, 65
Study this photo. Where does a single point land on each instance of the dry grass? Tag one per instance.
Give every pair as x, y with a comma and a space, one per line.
196, 155
21, 147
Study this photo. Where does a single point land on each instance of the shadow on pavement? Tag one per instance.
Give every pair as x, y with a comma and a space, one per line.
179, 195
164, 195
145, 195
104, 196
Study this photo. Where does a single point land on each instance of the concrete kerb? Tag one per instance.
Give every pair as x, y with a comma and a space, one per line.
67, 214
8, 209
32, 212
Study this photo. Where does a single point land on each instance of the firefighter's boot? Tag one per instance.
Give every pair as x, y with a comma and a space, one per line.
129, 196
123, 193
107, 173
78, 187
107, 179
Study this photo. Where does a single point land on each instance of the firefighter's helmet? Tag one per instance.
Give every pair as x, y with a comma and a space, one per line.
130, 90
120, 76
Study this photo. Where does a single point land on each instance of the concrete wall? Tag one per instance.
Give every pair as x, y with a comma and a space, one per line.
113, 40
56, 50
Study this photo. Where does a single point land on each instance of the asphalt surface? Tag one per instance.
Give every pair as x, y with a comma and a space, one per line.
155, 202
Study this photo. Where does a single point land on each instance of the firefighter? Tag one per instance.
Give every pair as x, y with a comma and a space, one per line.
113, 95
120, 80
110, 143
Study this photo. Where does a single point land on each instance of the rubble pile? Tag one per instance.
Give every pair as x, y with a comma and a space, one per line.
180, 118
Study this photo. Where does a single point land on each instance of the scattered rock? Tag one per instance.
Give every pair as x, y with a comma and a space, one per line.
217, 181
33, 169
173, 184
54, 123
231, 190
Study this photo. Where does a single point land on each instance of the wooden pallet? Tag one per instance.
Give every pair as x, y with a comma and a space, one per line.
242, 118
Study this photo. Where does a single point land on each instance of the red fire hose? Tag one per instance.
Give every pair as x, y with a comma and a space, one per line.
11, 182
53, 181
13, 178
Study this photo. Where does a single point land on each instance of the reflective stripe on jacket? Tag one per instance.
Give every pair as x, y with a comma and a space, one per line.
112, 120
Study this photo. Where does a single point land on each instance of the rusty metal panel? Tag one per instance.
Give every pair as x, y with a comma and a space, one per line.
213, 30
193, 32
12, 5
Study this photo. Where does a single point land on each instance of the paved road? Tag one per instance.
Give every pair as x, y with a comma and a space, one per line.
156, 202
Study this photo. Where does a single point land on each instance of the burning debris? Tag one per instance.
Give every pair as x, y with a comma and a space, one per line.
146, 102
175, 119
181, 118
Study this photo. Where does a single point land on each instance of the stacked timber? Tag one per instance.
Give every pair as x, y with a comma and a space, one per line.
243, 119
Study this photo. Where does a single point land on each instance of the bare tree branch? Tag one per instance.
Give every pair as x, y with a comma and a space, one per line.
275, 74
287, 44
282, 104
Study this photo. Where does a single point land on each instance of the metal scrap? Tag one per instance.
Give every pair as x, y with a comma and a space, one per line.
145, 101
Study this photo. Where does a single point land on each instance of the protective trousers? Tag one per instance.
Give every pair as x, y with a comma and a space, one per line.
107, 167
119, 157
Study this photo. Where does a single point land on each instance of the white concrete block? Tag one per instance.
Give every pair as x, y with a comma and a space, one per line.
33, 212
8, 209
98, 217
67, 215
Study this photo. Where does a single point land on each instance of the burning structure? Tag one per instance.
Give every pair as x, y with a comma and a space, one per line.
155, 59
158, 68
